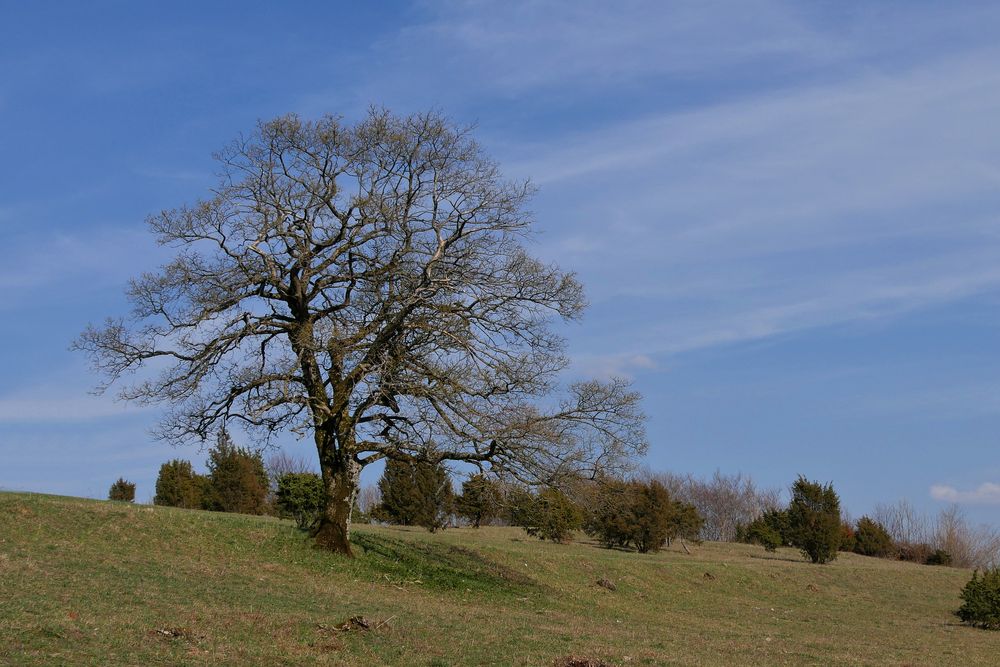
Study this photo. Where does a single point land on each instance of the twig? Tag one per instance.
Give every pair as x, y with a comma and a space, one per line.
384, 622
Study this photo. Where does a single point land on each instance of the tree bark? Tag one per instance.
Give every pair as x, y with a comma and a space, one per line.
341, 477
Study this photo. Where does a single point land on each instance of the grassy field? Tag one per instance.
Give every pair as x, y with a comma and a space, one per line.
85, 582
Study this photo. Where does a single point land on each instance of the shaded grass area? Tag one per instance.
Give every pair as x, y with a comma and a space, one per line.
438, 566
94, 583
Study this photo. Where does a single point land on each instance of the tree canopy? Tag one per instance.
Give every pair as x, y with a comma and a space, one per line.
366, 285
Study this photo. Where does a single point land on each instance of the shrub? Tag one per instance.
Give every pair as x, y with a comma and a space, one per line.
981, 600
609, 516
872, 539
237, 477
770, 530
480, 500
177, 485
848, 539
300, 496
685, 522
518, 504
726, 503
939, 557
641, 514
814, 520
918, 535
415, 493
551, 515
969, 545
123, 490
652, 516
759, 532
914, 553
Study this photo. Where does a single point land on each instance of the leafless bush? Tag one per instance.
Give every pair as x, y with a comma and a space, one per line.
369, 498
969, 546
950, 531
904, 523
724, 501
282, 463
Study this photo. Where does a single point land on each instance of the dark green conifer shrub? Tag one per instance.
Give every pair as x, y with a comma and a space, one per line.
765, 535
177, 485
551, 515
238, 479
770, 530
814, 520
685, 522
415, 493
639, 514
517, 504
609, 513
848, 539
872, 539
480, 500
981, 600
300, 496
939, 557
122, 490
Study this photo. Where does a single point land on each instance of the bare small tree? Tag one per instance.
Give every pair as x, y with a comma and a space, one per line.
369, 497
967, 544
282, 463
367, 286
725, 502
904, 523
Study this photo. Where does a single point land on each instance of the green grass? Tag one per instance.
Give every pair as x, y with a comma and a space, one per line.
86, 582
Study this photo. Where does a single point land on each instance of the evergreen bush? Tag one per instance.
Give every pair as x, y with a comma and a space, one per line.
981, 600
551, 515
122, 490
415, 493
872, 539
814, 520
480, 500
939, 557
300, 496
178, 485
770, 530
238, 479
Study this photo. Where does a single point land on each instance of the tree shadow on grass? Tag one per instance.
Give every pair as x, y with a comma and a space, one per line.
436, 566
786, 559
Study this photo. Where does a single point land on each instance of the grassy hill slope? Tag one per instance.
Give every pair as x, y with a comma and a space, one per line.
89, 582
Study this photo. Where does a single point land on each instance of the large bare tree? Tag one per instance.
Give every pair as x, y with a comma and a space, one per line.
366, 285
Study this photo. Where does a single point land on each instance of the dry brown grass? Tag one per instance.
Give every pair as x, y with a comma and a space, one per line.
95, 583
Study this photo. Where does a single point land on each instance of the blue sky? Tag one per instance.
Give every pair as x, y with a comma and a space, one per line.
787, 215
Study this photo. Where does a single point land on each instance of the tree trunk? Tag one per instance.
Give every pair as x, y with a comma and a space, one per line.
341, 482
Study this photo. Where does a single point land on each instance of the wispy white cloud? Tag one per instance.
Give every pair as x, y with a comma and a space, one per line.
61, 396
850, 176
987, 493
52, 405
859, 200
606, 366
58, 409
72, 262
516, 46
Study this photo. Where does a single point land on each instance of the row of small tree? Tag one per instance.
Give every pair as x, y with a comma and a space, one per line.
620, 513
916, 536
236, 481
811, 522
